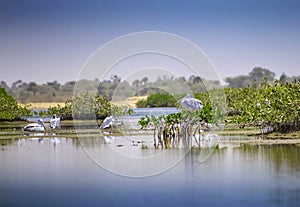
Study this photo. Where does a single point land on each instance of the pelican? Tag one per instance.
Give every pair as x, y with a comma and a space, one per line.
109, 122
191, 103
35, 127
54, 122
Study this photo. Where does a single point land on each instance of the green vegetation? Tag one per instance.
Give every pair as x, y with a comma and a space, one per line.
87, 106
82, 106
9, 109
157, 100
206, 114
272, 107
144, 121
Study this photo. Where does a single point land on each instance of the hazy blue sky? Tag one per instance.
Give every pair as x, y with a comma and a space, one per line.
50, 40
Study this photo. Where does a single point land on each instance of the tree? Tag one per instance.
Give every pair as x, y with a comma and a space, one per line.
197, 79
87, 106
55, 85
136, 83
157, 100
32, 87
144, 81
238, 81
68, 86
115, 79
4, 85
181, 79
16, 84
191, 78
283, 78
259, 74
256, 76
9, 109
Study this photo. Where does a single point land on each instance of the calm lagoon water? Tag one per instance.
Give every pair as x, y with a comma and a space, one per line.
57, 172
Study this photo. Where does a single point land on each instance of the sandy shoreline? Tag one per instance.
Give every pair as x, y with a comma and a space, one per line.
130, 101
42, 105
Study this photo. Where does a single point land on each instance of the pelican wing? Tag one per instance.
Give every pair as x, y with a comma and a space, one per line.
34, 127
107, 122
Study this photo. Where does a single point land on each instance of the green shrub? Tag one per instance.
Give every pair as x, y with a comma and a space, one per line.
157, 100
9, 109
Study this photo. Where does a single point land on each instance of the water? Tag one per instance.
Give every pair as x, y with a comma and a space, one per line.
57, 172
131, 121
154, 111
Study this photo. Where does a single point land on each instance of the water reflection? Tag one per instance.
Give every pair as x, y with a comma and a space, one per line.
284, 158
60, 174
281, 158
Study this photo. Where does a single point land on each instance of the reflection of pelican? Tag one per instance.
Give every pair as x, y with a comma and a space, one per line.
108, 139
56, 140
35, 127
54, 122
109, 122
190, 103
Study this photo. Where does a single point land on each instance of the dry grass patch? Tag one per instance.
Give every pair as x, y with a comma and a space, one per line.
130, 101
42, 105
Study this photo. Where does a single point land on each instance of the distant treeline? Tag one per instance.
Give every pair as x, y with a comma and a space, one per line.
118, 89
257, 76
113, 89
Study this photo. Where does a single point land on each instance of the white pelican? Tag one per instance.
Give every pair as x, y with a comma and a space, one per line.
35, 127
109, 122
191, 103
54, 122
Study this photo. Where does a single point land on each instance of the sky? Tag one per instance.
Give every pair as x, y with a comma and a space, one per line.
51, 40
